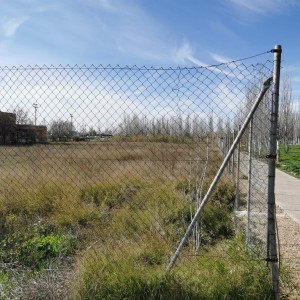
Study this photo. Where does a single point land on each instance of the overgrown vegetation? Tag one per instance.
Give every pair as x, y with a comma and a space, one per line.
215, 275
113, 224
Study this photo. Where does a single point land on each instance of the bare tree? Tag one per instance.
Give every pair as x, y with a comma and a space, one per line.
211, 124
220, 126
260, 136
296, 134
199, 126
22, 116
286, 116
179, 125
61, 130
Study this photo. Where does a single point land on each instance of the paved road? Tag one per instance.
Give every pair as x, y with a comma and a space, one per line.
287, 194
287, 187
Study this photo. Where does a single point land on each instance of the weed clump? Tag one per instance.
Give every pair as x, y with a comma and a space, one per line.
134, 276
113, 195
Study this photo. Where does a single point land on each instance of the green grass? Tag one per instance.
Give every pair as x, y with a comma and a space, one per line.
290, 162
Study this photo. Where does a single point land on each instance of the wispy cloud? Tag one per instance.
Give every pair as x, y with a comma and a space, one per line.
185, 53
136, 31
116, 6
261, 7
10, 27
219, 58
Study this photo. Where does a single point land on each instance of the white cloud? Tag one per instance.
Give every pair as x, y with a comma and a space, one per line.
10, 27
183, 52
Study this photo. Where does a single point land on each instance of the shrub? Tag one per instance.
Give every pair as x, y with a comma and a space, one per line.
33, 250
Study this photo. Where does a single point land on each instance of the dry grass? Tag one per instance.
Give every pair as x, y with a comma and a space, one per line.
89, 158
115, 200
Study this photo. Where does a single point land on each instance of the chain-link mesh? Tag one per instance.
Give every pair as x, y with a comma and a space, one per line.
254, 171
103, 168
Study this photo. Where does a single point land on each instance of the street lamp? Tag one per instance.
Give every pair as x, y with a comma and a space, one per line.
71, 125
35, 105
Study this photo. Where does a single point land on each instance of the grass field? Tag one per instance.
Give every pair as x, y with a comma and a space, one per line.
290, 162
100, 220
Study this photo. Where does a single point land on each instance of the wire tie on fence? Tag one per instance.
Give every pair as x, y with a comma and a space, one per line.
276, 50
271, 259
272, 156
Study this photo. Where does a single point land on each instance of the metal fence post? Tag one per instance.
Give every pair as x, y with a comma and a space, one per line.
237, 180
232, 162
272, 256
250, 146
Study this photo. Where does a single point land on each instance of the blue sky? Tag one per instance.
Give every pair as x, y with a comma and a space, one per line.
148, 32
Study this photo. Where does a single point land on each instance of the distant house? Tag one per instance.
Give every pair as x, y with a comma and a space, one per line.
27, 134
12, 133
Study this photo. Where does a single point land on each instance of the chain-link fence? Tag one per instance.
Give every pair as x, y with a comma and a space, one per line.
103, 168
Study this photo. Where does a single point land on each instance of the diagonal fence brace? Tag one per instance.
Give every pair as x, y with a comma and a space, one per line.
260, 96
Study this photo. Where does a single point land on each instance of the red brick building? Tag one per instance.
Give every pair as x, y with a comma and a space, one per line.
12, 133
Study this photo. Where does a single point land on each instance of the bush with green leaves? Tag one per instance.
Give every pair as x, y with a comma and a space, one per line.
35, 250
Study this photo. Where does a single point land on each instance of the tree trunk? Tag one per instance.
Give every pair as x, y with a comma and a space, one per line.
286, 147
278, 151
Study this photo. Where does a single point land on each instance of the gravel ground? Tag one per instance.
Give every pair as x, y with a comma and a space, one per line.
289, 249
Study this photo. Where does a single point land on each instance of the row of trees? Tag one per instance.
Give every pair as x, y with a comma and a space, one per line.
134, 125
192, 125
178, 125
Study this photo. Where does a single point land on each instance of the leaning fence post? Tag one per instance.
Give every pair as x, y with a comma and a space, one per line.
217, 177
272, 256
227, 149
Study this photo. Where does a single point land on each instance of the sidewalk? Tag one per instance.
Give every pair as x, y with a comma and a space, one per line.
287, 194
